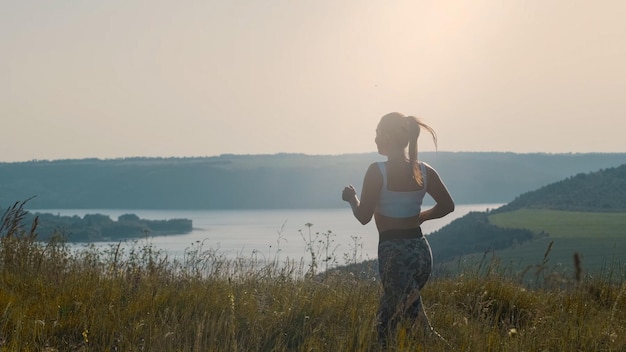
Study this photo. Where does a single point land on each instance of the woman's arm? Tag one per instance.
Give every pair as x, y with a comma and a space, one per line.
444, 204
363, 209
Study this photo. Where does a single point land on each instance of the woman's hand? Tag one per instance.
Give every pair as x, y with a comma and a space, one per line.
348, 194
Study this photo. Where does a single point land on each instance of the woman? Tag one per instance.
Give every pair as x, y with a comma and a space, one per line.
392, 193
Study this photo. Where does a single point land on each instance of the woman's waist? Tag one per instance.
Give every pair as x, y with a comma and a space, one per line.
384, 223
400, 234
398, 210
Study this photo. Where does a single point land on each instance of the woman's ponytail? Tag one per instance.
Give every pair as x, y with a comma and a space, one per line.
414, 127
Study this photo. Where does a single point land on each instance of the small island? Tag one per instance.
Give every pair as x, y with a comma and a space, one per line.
99, 227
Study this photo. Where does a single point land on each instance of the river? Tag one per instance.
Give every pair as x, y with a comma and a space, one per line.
267, 234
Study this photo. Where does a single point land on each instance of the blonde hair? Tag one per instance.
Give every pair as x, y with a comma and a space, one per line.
406, 130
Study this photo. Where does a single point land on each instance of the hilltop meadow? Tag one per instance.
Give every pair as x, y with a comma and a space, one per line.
522, 280
55, 299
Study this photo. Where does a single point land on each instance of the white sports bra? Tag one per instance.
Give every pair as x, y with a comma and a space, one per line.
400, 204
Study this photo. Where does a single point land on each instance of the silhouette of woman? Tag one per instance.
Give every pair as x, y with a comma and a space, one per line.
392, 193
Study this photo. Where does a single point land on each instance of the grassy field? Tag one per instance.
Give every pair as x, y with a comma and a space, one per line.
565, 224
53, 299
598, 238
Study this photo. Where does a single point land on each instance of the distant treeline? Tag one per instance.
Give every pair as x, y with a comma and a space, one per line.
278, 181
99, 227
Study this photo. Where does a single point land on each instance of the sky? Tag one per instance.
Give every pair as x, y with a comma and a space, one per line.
188, 78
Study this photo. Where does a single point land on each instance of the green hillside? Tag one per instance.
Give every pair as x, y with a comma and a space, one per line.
564, 224
598, 237
584, 215
600, 191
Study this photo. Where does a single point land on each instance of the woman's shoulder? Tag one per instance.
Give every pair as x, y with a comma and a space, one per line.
427, 165
376, 170
431, 171
377, 165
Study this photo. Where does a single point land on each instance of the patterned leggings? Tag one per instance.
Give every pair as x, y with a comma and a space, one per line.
405, 264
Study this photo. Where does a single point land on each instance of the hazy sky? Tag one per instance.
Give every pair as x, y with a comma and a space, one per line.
125, 78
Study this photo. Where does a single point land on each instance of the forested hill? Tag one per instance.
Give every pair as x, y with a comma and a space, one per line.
603, 190
280, 181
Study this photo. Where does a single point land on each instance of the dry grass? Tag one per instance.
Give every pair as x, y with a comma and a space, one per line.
54, 299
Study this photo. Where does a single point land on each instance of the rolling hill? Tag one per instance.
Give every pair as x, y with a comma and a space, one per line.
584, 215
604, 190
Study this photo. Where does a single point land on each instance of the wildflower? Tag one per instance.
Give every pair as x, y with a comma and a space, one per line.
231, 299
